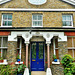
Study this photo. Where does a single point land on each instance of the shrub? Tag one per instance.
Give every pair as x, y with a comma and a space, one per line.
69, 66
5, 70
19, 69
67, 60
73, 68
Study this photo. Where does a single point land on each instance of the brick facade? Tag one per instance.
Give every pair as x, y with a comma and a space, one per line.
50, 19
11, 52
62, 47
51, 4
24, 19
57, 69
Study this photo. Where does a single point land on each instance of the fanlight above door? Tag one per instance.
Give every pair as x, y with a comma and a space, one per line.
37, 2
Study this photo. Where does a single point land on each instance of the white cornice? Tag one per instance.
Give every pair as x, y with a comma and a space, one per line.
36, 10
4, 1
70, 1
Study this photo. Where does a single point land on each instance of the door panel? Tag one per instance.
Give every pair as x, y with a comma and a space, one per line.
41, 56
37, 56
33, 56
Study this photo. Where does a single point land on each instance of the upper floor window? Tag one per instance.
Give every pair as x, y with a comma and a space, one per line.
37, 20
67, 20
6, 19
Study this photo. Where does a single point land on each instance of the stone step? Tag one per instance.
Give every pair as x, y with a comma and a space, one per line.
38, 73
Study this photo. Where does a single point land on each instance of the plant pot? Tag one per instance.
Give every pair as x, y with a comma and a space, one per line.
55, 60
1, 60
18, 60
5, 60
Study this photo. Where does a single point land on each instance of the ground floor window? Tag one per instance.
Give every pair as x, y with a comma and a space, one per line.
3, 47
19, 46
55, 45
71, 46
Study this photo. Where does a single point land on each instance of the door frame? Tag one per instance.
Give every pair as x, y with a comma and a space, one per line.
31, 54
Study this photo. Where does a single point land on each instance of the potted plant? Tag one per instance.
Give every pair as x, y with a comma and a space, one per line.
1, 59
55, 58
18, 59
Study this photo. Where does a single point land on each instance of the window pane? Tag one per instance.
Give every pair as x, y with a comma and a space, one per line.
9, 23
57, 53
64, 23
4, 17
56, 43
40, 50
70, 52
64, 17
5, 42
18, 43
69, 41
0, 41
33, 50
68, 17
4, 23
9, 17
39, 17
35, 23
68, 23
4, 53
74, 41
39, 23
34, 17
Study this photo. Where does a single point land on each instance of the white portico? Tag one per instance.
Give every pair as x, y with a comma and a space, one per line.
46, 35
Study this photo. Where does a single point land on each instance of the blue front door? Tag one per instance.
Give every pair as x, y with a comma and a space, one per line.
37, 56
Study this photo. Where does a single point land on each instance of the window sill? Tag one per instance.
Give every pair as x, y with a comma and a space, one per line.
19, 62
6, 26
57, 63
3, 63
37, 26
67, 26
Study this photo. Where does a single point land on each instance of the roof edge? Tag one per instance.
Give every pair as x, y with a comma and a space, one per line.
70, 2
2, 2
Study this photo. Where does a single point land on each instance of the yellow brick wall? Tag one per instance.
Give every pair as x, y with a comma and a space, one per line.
50, 19
52, 4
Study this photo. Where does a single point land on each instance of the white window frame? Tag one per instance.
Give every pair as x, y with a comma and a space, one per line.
37, 20
72, 48
68, 20
2, 44
5, 20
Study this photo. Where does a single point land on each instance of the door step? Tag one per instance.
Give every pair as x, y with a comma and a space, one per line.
38, 73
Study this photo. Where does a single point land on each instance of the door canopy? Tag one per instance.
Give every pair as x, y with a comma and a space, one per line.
46, 35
